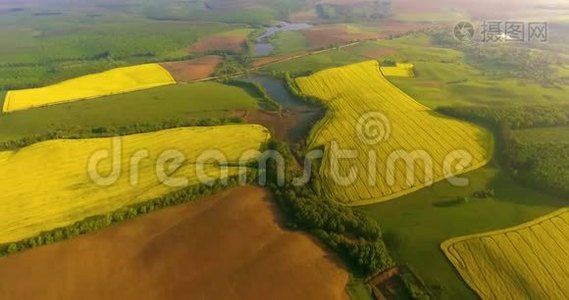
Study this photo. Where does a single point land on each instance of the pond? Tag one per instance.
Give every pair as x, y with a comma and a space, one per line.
298, 117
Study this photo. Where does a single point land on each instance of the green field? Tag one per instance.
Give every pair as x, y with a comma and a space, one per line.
543, 135
313, 63
415, 225
177, 102
444, 78
288, 41
39, 50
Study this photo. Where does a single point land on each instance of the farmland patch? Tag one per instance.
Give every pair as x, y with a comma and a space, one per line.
399, 70
183, 102
355, 95
528, 261
235, 40
229, 246
120, 80
51, 184
194, 69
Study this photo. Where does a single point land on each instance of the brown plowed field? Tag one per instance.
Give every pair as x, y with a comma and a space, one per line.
193, 69
324, 36
235, 43
229, 246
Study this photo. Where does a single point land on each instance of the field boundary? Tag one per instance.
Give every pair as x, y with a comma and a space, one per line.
525, 225
101, 221
10, 94
330, 113
456, 260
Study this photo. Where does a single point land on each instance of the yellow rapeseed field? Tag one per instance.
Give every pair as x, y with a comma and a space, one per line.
48, 185
530, 261
399, 70
116, 81
355, 95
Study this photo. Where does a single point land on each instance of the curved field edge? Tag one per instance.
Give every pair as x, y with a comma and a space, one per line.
101, 221
294, 87
46, 204
448, 248
87, 86
448, 243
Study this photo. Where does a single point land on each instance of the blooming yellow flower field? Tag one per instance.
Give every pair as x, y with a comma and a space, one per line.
530, 261
116, 81
399, 70
48, 185
369, 115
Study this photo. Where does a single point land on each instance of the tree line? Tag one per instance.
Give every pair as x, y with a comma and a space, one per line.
98, 222
352, 235
544, 166
111, 131
513, 117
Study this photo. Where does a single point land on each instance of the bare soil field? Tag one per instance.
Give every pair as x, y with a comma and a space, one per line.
324, 36
233, 42
379, 52
194, 69
229, 246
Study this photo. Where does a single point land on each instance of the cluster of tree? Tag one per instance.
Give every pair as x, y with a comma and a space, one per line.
98, 222
541, 165
544, 166
350, 233
513, 117
110, 131
364, 10
232, 64
257, 90
506, 59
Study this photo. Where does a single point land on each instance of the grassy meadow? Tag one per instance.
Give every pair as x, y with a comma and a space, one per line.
50, 184
288, 42
415, 225
175, 102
